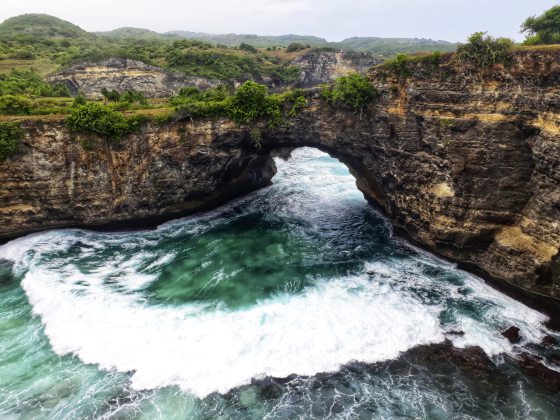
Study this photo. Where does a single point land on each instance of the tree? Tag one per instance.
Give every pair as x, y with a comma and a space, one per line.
543, 29
484, 50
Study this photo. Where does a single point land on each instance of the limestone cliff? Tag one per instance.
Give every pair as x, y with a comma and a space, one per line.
323, 66
465, 161
122, 74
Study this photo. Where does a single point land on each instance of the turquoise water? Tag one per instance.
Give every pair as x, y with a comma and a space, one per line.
294, 302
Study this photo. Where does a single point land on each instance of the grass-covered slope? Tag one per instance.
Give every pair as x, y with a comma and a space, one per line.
39, 25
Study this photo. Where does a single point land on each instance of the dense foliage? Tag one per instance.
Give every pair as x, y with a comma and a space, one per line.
353, 91
94, 118
484, 50
28, 82
251, 103
10, 136
543, 29
296, 46
15, 105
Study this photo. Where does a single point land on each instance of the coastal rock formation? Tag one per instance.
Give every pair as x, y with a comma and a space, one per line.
464, 161
323, 66
123, 74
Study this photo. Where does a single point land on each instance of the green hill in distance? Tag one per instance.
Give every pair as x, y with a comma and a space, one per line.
40, 25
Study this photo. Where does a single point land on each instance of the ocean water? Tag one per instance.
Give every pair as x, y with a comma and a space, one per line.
296, 301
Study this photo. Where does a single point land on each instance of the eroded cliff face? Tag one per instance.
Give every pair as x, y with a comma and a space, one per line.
464, 161
320, 66
158, 173
122, 74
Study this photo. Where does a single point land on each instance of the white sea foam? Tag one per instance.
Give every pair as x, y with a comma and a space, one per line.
317, 331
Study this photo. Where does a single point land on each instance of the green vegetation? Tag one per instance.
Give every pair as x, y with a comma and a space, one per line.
11, 135
39, 25
247, 47
94, 118
543, 29
484, 50
353, 91
296, 46
251, 103
382, 47
399, 66
51, 43
28, 82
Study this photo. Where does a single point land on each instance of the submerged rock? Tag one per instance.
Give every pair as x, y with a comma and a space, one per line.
512, 334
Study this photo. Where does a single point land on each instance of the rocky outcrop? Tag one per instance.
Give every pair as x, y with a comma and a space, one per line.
465, 161
323, 65
122, 74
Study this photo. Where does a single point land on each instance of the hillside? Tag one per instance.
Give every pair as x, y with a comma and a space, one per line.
258, 41
39, 25
129, 32
381, 46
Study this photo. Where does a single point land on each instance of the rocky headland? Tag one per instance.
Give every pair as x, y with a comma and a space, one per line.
463, 160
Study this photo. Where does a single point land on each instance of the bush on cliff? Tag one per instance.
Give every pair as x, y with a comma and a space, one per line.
484, 50
353, 91
10, 136
543, 29
94, 118
251, 103
15, 105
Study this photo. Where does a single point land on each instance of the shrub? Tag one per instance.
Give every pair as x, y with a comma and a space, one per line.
11, 135
247, 47
484, 50
111, 95
132, 96
15, 105
295, 100
399, 66
94, 118
353, 91
543, 29
252, 102
19, 82
80, 99
295, 46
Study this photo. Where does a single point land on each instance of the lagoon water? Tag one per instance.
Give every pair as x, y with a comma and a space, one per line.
296, 301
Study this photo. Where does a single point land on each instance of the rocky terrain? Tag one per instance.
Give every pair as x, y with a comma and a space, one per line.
318, 66
464, 161
122, 74
324, 66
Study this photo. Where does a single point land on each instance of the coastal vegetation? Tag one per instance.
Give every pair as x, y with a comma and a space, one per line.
353, 91
10, 136
249, 105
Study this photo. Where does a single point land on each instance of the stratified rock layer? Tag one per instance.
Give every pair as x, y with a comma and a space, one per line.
323, 66
122, 74
465, 161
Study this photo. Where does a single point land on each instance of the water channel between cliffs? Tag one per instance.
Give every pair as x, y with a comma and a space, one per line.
296, 300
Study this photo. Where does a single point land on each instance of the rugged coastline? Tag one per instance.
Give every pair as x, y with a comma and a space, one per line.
463, 160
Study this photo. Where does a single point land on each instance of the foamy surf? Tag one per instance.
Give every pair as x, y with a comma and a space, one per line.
334, 323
